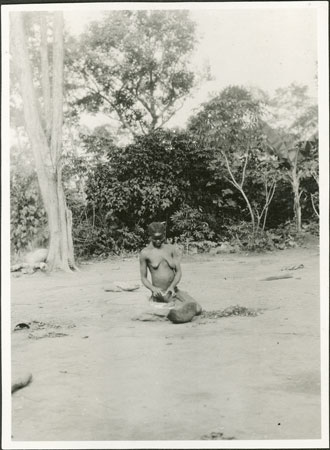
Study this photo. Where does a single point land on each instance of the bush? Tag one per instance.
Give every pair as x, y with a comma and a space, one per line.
90, 240
200, 246
189, 225
28, 220
312, 228
284, 236
146, 181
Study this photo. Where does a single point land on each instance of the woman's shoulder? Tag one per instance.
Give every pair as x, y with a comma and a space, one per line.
145, 252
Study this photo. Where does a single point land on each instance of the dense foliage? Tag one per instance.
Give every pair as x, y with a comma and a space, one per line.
151, 179
230, 124
27, 214
244, 170
199, 181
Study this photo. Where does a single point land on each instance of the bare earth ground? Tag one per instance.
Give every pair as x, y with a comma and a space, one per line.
111, 378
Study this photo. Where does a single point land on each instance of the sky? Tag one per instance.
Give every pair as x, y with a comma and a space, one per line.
266, 48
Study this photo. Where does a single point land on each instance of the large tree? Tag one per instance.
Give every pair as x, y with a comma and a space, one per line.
292, 133
230, 124
134, 66
43, 122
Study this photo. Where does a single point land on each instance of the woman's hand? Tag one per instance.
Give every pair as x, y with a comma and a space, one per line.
169, 294
157, 293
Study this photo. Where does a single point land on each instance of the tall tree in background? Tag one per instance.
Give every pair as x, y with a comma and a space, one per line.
133, 65
43, 122
292, 132
230, 125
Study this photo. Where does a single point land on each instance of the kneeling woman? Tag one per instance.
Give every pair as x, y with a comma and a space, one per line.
163, 262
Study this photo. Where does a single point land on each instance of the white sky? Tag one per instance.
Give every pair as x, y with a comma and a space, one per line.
267, 48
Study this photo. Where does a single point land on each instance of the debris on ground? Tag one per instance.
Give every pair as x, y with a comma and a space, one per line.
175, 317
38, 329
111, 288
21, 382
16, 267
36, 324
277, 277
21, 326
294, 267
28, 269
231, 311
34, 260
216, 436
40, 334
41, 266
126, 286
118, 286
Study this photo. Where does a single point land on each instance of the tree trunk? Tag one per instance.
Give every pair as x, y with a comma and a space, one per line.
239, 186
251, 213
296, 204
45, 83
314, 206
47, 155
295, 181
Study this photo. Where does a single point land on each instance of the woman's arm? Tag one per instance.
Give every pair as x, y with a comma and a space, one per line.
144, 276
178, 272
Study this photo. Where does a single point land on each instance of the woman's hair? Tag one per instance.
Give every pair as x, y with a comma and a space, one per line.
156, 227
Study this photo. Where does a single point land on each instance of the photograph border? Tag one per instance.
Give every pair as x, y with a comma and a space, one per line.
323, 99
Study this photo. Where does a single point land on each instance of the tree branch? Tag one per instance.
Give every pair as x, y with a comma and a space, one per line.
316, 178
314, 207
152, 101
244, 169
96, 90
170, 114
240, 188
269, 198
237, 186
145, 104
142, 128
230, 172
272, 190
121, 117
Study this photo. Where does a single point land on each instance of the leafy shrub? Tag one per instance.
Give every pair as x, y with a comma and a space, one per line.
312, 228
189, 225
28, 218
284, 236
91, 240
238, 234
244, 237
203, 246
146, 181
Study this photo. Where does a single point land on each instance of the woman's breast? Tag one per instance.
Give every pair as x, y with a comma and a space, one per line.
163, 275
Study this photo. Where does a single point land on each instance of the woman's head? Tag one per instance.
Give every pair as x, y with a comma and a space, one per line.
157, 232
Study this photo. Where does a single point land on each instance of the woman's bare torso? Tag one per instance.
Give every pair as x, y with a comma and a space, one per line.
162, 266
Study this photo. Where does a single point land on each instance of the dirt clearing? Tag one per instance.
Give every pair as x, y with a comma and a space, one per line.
99, 375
